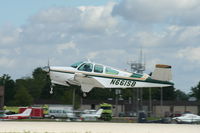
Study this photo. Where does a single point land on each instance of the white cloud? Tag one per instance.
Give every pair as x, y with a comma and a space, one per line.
92, 55
8, 52
189, 33
9, 35
17, 50
149, 39
66, 35
111, 53
62, 24
4, 52
56, 15
7, 62
100, 18
159, 11
191, 54
65, 46
109, 56
150, 64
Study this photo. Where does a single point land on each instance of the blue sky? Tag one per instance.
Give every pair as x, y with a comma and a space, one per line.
110, 32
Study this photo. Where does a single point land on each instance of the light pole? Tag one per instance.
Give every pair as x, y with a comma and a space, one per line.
117, 93
161, 100
74, 97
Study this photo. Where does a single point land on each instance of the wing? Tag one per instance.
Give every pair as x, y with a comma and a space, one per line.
87, 82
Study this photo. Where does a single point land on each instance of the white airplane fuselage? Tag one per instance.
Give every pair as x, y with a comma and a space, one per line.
23, 115
101, 76
187, 118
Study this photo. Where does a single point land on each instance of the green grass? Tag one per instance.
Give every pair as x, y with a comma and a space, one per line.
153, 118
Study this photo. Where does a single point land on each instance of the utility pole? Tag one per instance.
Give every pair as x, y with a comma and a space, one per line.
138, 100
138, 67
150, 103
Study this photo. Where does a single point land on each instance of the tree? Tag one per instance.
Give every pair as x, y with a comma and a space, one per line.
22, 96
35, 84
45, 92
168, 93
127, 93
38, 82
9, 86
101, 94
181, 96
196, 91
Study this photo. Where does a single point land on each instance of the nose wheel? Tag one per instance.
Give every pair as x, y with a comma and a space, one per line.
51, 91
84, 94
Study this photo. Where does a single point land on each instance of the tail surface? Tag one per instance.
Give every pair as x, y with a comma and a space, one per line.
27, 112
162, 72
99, 112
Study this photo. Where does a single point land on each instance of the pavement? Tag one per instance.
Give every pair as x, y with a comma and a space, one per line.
95, 127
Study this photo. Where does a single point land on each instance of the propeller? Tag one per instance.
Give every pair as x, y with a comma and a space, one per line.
46, 68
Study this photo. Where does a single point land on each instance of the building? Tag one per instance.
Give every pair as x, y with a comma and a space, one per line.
155, 109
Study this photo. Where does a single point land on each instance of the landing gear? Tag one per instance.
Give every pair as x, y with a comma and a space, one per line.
84, 94
51, 91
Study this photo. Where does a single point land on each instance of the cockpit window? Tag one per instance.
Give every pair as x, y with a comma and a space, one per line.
98, 68
111, 71
75, 65
86, 67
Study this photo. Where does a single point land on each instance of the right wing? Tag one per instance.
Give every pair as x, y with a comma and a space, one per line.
87, 82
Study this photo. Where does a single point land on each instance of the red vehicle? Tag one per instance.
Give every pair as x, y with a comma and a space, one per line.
37, 112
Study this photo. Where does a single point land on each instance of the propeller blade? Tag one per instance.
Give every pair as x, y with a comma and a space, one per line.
47, 68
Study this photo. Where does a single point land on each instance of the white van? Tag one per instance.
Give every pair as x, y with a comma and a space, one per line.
60, 112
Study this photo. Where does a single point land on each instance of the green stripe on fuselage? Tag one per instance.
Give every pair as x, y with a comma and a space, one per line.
136, 75
148, 80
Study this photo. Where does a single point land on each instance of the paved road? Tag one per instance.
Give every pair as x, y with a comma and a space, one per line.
87, 127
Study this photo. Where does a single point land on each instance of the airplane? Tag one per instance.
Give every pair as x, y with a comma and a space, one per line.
187, 118
91, 114
89, 75
23, 115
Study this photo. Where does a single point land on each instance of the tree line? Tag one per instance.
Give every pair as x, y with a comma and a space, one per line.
28, 90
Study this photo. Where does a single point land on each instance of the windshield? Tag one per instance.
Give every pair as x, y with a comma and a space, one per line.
75, 65
106, 107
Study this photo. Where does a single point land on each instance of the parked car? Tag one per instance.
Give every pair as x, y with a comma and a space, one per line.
127, 114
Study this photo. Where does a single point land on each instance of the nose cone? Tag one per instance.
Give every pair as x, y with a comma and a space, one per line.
46, 68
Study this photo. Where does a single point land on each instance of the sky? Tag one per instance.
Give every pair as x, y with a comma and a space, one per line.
109, 32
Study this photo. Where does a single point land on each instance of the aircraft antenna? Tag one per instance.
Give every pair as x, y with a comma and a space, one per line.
88, 60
